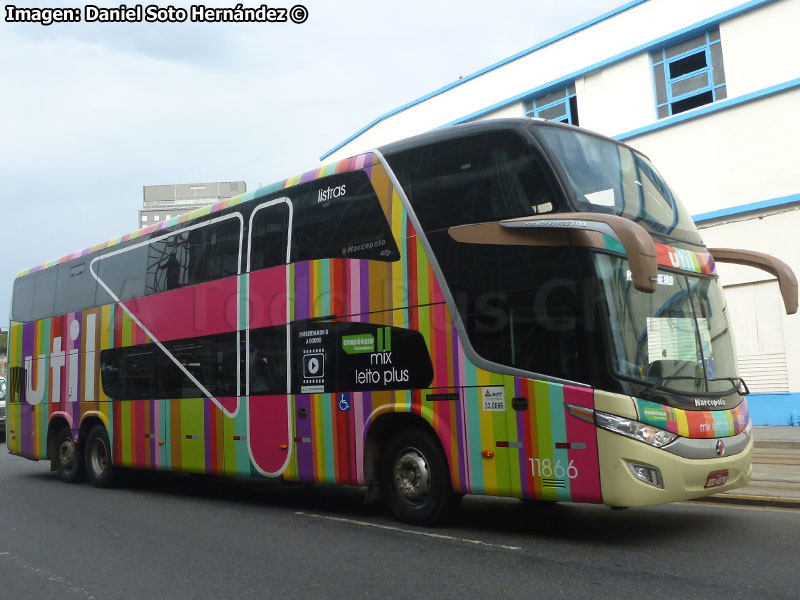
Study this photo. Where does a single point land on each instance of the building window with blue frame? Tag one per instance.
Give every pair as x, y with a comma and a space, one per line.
559, 105
689, 74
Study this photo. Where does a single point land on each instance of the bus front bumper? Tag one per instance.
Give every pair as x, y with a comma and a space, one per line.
681, 478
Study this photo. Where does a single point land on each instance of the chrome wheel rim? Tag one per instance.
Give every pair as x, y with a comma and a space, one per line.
98, 457
66, 455
412, 476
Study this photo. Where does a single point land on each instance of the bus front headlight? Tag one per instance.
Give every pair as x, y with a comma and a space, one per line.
634, 429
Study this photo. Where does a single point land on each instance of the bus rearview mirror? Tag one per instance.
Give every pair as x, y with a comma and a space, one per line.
774, 266
586, 230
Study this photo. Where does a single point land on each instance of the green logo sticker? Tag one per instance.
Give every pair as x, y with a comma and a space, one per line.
655, 414
358, 344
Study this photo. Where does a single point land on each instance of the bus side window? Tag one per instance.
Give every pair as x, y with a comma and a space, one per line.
145, 372
268, 236
45, 294
22, 309
193, 256
210, 359
222, 249
127, 373
16, 385
76, 288
124, 272
484, 177
340, 217
267, 360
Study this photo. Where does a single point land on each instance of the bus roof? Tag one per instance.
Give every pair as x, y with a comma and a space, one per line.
346, 164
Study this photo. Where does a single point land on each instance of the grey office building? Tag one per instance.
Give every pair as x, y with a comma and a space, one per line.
162, 202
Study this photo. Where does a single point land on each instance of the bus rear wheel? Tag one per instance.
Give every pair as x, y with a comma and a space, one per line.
99, 468
416, 479
67, 458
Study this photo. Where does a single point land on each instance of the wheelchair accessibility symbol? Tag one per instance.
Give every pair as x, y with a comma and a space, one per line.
344, 403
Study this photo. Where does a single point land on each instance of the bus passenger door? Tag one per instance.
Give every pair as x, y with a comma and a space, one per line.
266, 342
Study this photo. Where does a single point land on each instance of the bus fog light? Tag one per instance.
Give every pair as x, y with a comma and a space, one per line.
647, 474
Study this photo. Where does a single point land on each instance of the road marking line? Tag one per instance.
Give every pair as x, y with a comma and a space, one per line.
45, 574
739, 506
411, 531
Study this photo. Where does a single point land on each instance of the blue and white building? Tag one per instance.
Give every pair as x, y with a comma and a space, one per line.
710, 91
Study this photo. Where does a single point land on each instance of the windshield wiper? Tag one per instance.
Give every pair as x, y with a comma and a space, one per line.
666, 378
736, 382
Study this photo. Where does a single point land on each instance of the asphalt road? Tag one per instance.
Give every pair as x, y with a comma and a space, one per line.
172, 536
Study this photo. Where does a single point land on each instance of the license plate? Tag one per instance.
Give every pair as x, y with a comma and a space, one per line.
717, 478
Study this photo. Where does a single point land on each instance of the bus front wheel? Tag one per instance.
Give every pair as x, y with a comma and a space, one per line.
415, 478
99, 468
67, 459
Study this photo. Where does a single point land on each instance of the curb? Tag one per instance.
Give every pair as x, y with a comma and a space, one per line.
743, 499
777, 444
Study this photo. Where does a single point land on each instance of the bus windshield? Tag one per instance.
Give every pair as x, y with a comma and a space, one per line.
677, 338
607, 177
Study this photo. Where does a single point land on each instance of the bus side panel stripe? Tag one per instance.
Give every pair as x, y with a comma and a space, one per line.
155, 434
304, 428
318, 444
544, 438
301, 291
524, 435
163, 436
364, 286
15, 354
242, 454
30, 348
585, 487
176, 458
558, 427
127, 432
463, 441
46, 334
140, 428
328, 435
210, 441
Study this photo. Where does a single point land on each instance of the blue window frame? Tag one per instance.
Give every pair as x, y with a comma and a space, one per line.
689, 74
558, 105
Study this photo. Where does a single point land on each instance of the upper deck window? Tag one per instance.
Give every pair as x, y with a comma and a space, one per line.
486, 177
340, 217
689, 74
611, 178
560, 105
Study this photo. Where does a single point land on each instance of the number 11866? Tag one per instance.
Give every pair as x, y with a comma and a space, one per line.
544, 467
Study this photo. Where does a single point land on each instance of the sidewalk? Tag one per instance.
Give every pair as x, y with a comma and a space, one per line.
776, 470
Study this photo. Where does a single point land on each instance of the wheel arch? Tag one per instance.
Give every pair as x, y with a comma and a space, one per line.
89, 420
380, 430
58, 421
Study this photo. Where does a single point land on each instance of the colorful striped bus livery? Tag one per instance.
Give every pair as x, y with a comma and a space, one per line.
329, 329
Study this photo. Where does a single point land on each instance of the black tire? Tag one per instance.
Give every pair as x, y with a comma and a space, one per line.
67, 457
416, 479
97, 457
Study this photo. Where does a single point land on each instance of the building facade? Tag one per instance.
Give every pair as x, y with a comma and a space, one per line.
710, 91
162, 202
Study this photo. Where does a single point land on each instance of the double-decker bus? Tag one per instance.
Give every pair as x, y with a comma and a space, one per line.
512, 308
